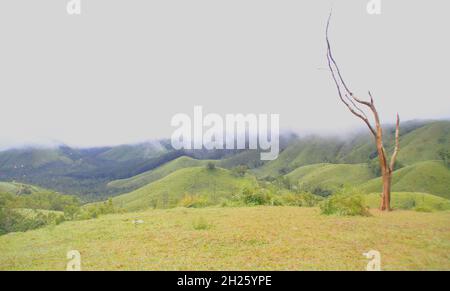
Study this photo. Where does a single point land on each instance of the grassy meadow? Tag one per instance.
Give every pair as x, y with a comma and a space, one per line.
249, 238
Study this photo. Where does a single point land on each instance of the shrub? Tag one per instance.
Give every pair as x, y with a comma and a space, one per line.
210, 166
344, 205
71, 211
201, 224
12, 220
407, 204
239, 171
256, 197
193, 201
301, 200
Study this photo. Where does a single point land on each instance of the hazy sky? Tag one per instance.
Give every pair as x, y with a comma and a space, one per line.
119, 72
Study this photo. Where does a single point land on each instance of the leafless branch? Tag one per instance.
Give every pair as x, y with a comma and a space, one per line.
397, 145
338, 80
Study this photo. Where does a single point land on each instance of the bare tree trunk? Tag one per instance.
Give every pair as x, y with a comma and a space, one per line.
354, 104
386, 195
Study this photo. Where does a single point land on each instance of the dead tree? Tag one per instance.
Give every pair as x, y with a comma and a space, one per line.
356, 105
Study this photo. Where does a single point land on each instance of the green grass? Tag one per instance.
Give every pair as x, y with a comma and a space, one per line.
253, 238
424, 143
310, 150
250, 158
331, 176
428, 177
19, 188
30, 213
168, 191
156, 174
410, 200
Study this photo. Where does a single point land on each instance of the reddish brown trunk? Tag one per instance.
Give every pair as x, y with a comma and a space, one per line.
386, 195
386, 173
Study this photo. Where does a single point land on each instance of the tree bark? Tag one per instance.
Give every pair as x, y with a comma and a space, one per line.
386, 195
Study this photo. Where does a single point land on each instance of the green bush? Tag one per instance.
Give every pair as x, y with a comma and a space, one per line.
193, 201
344, 205
201, 224
256, 196
12, 220
239, 171
301, 200
407, 204
71, 211
211, 166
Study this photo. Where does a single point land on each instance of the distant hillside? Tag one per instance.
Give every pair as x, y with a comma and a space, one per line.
424, 143
428, 177
306, 151
250, 158
134, 152
97, 173
155, 174
20, 159
418, 141
331, 176
84, 172
168, 191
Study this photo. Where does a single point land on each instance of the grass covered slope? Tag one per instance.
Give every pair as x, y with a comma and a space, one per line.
410, 200
156, 174
331, 176
254, 238
427, 177
418, 142
134, 152
168, 191
18, 188
307, 151
425, 143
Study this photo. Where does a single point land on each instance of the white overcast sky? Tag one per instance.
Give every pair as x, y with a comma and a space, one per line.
119, 72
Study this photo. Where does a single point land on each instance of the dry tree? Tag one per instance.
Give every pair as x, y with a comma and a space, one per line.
356, 105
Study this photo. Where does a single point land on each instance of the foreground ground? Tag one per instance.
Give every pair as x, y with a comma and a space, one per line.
258, 238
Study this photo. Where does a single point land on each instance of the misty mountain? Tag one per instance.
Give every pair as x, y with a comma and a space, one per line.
87, 172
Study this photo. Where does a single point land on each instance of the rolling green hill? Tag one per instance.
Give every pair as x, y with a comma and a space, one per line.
250, 158
428, 177
424, 143
168, 191
306, 151
418, 142
156, 174
331, 176
97, 173
133, 152
18, 159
